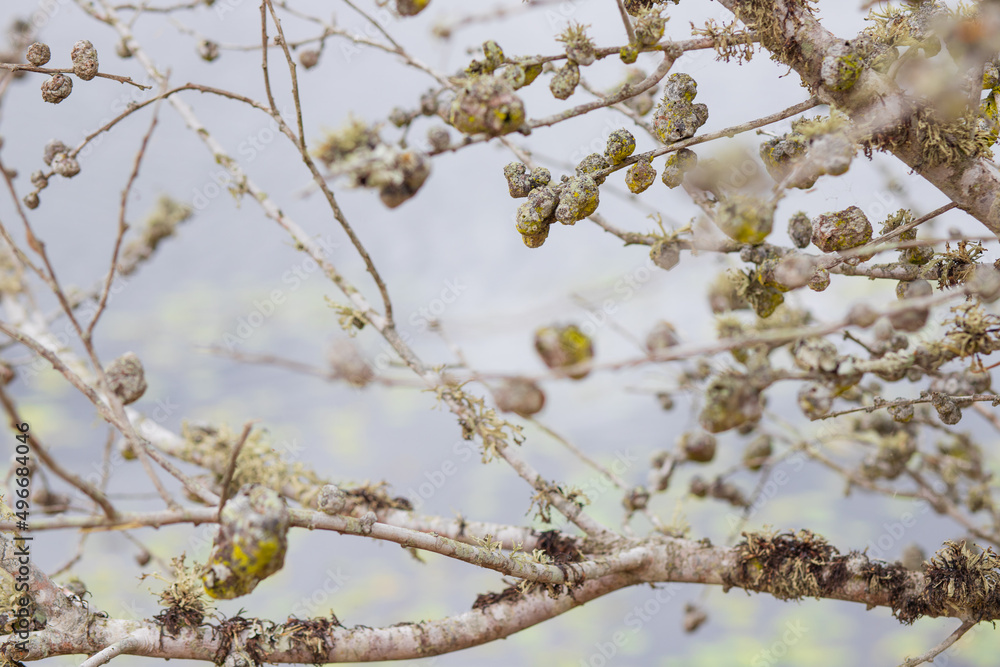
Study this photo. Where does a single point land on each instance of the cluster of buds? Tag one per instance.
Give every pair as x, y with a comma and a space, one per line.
357, 152
812, 149
677, 117
916, 255
889, 459
493, 59
486, 104
573, 199
731, 401
59, 86
720, 490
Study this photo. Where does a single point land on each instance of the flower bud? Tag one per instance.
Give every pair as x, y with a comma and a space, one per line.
56, 89
250, 544
84, 57
126, 378
520, 396
39, 54
565, 347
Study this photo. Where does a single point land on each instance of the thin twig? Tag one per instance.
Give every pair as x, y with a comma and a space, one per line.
231, 468
57, 469
292, 71
940, 648
122, 225
627, 21
973, 398
51, 70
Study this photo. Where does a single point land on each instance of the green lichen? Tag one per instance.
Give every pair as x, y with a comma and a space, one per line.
250, 545
565, 81
677, 117
621, 144
579, 47
818, 126
629, 53
731, 401
916, 255
788, 566
353, 136
640, 176
941, 141
537, 213
486, 104
841, 71
649, 26
751, 289
745, 218
592, 165
183, 598
833, 232
565, 348
761, 17
912, 24
729, 41
578, 198
260, 460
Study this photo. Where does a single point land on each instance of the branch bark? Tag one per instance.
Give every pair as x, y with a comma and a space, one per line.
875, 103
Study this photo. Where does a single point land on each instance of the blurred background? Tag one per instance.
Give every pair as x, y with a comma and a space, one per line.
453, 252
